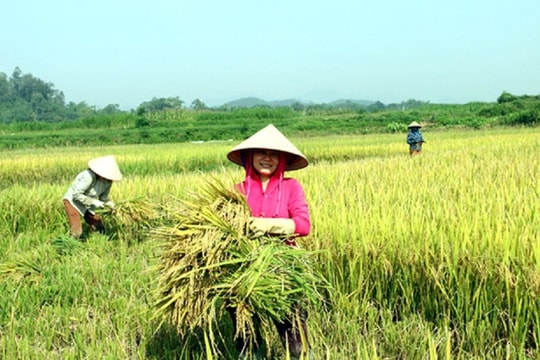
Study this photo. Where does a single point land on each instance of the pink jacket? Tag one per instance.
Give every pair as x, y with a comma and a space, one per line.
283, 198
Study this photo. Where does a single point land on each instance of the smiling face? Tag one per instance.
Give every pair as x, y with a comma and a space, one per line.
265, 162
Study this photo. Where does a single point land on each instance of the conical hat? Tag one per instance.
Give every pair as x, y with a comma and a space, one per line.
270, 138
414, 124
106, 167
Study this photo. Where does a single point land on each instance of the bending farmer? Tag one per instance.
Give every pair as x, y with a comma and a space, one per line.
89, 191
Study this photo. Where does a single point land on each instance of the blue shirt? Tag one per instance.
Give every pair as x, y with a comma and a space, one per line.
415, 139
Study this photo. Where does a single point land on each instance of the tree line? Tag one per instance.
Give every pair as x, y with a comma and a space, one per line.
26, 98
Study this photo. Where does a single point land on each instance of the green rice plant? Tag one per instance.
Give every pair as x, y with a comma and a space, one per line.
66, 245
451, 236
433, 257
20, 269
209, 264
26, 267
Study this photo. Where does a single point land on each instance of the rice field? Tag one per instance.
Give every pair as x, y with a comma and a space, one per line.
432, 257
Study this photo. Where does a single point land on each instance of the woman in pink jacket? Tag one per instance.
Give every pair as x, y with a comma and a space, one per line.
277, 203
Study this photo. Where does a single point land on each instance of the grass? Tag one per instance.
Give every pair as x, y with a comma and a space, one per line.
429, 257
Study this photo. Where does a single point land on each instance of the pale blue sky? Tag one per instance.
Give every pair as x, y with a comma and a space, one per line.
126, 52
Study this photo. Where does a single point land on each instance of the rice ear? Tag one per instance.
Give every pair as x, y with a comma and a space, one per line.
132, 219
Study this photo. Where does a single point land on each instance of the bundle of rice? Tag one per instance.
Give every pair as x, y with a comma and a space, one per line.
208, 263
131, 219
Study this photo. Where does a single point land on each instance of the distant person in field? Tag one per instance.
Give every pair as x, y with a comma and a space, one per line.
415, 139
90, 191
278, 207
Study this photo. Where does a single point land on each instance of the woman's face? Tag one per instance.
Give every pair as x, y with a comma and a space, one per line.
265, 162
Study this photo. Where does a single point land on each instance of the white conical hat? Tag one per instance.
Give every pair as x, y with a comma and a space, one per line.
414, 124
270, 138
106, 167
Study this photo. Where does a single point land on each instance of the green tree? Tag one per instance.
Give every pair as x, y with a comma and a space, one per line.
298, 106
33, 99
16, 79
6, 93
78, 110
376, 106
111, 109
506, 97
198, 105
159, 104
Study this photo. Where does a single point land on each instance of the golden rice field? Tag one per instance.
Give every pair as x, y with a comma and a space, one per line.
432, 257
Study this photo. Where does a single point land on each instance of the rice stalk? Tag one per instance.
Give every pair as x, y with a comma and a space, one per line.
20, 269
66, 245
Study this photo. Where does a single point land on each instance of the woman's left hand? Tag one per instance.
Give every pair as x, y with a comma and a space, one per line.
271, 226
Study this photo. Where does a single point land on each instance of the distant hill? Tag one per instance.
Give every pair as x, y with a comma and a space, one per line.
245, 102
350, 101
253, 101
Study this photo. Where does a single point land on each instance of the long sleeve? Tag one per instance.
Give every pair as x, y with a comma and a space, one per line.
287, 201
85, 189
298, 207
79, 188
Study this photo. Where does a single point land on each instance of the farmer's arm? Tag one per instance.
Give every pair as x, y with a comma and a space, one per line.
298, 223
80, 186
